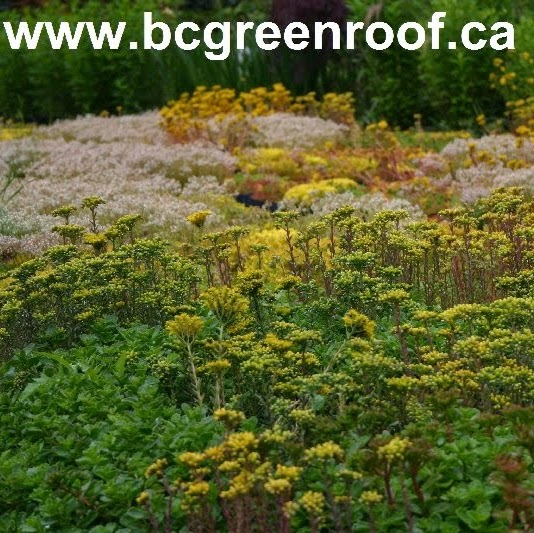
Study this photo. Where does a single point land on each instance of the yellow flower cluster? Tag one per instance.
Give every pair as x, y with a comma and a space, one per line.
370, 497
311, 165
227, 304
324, 451
198, 218
217, 366
358, 324
486, 363
513, 77
191, 459
240, 442
302, 195
276, 436
394, 449
243, 482
10, 130
143, 498
196, 489
302, 416
278, 486
313, 502
194, 493
157, 468
229, 417
522, 114
185, 327
188, 118
519, 78
291, 473
273, 342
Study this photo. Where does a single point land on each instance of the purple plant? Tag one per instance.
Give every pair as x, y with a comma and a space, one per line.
307, 65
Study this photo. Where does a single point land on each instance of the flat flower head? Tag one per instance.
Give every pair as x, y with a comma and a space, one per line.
278, 486
157, 468
394, 449
229, 417
185, 326
313, 502
191, 459
197, 489
226, 303
243, 442
92, 202
143, 498
358, 325
370, 497
218, 366
290, 473
198, 218
324, 451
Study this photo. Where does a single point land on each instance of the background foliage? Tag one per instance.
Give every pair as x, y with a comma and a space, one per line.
42, 86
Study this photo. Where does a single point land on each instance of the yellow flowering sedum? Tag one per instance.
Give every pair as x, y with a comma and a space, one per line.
278, 486
157, 468
230, 466
10, 131
358, 324
197, 488
191, 459
198, 218
291, 473
229, 417
185, 327
276, 436
370, 497
302, 195
277, 344
394, 449
218, 366
240, 442
325, 451
313, 502
222, 115
240, 485
227, 304
143, 498
302, 416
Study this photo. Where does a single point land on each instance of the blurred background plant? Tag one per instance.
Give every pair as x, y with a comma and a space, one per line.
393, 84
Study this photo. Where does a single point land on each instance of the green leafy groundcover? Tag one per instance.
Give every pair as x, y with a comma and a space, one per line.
77, 439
